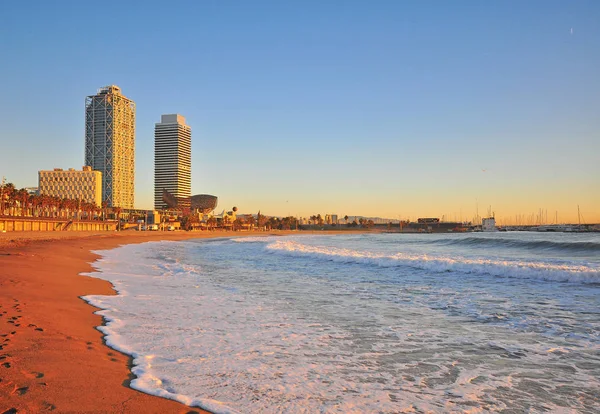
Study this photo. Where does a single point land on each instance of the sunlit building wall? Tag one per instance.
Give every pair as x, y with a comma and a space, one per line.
110, 144
172, 159
85, 185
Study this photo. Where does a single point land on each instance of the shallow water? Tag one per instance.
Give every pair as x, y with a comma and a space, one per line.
362, 323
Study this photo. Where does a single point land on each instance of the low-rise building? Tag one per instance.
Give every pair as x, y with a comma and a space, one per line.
331, 219
84, 185
488, 224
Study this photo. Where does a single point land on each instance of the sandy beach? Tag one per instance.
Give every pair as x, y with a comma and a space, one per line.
52, 357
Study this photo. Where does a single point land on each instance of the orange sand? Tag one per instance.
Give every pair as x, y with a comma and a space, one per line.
51, 355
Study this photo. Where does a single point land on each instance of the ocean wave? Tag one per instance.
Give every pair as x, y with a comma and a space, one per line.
583, 247
442, 264
258, 239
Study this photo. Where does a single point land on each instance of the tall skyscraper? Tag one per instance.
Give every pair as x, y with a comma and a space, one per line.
172, 159
110, 143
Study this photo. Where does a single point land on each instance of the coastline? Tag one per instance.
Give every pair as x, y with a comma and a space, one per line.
52, 356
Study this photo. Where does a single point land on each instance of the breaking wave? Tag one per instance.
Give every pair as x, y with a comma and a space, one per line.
584, 246
441, 264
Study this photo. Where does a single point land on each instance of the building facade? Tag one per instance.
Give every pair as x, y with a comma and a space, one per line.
172, 159
110, 144
85, 185
488, 224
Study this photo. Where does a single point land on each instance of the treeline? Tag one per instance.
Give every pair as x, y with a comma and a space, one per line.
18, 202
249, 222
362, 222
244, 221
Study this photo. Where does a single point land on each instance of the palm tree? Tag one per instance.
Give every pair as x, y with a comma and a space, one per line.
84, 209
36, 202
320, 219
262, 220
44, 202
237, 224
118, 211
250, 221
6, 197
22, 196
289, 222
104, 207
63, 205
346, 219
77, 213
55, 206
259, 219
274, 223
211, 222
71, 206
93, 211
226, 220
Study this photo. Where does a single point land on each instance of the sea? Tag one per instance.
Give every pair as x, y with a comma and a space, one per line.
361, 323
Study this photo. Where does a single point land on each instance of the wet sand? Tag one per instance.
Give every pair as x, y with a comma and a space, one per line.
52, 357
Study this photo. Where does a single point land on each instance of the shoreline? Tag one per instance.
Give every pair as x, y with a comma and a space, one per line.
52, 355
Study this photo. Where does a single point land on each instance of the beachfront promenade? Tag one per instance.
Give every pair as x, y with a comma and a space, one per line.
44, 224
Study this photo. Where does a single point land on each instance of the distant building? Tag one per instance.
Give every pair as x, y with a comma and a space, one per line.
331, 219
488, 224
85, 185
32, 190
153, 217
110, 144
172, 159
428, 220
226, 218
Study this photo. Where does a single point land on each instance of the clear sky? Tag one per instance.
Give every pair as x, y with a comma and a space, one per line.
379, 108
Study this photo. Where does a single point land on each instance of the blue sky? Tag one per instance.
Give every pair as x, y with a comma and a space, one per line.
388, 108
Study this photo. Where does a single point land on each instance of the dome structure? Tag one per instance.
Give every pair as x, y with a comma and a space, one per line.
205, 203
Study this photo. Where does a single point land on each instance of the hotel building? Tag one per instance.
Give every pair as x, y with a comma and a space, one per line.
110, 143
172, 159
85, 185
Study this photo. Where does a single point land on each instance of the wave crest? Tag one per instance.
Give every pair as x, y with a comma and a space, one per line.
584, 247
440, 264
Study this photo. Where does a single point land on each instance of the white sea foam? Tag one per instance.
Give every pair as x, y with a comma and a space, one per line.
505, 268
264, 239
120, 330
239, 327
